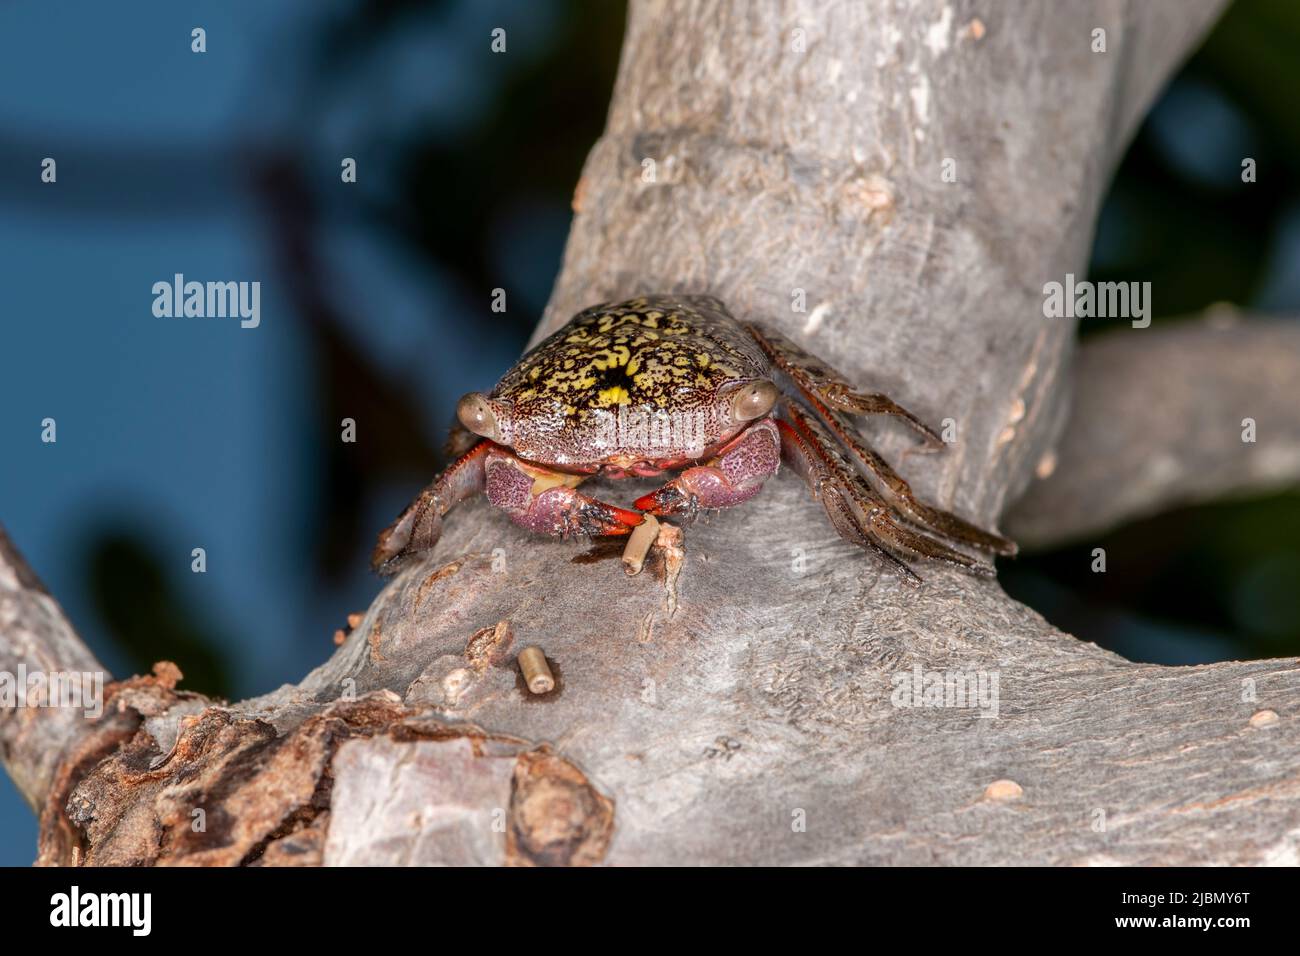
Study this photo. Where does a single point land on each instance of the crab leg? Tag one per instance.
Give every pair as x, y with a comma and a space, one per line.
925, 515
846, 495
734, 475
817, 380
809, 465
420, 525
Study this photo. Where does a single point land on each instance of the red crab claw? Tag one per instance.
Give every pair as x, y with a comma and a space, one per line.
614, 520
575, 513
668, 500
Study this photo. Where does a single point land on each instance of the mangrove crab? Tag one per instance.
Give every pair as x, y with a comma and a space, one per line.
674, 383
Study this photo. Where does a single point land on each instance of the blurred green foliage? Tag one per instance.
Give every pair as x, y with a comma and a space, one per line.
143, 606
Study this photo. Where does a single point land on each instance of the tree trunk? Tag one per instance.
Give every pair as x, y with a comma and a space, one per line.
745, 701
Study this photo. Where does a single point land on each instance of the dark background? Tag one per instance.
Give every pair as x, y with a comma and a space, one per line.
183, 433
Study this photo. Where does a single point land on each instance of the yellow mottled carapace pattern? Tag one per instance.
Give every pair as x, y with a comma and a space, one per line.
654, 352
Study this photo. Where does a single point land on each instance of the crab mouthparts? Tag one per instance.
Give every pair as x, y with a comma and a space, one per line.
635, 469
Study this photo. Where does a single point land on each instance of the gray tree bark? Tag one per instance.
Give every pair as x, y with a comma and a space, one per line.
1158, 420
738, 702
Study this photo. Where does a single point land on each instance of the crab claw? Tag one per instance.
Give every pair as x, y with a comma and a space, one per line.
599, 517
565, 512
736, 475
670, 499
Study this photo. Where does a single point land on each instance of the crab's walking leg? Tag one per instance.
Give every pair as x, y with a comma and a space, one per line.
420, 525
925, 515
871, 514
547, 501
817, 380
734, 475
798, 453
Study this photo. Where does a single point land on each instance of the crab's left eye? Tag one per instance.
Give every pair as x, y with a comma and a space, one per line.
753, 400
476, 414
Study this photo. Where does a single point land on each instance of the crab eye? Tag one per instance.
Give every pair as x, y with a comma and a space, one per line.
753, 400
476, 414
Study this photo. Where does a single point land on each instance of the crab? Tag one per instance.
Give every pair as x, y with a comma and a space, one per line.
675, 384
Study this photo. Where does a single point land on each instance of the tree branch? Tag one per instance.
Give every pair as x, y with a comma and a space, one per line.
37, 640
1158, 420
743, 703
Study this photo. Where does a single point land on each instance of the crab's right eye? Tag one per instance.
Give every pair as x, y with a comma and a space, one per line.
476, 414
753, 400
